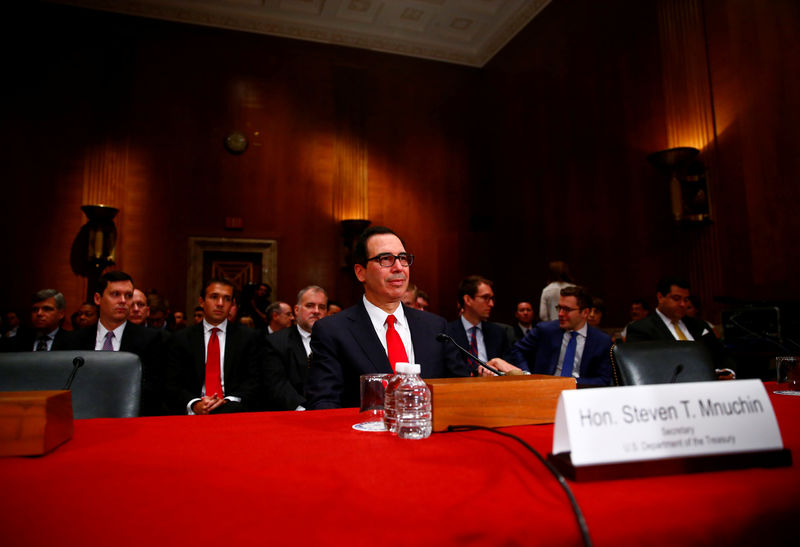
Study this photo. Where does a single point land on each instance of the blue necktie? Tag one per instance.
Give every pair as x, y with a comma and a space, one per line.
569, 355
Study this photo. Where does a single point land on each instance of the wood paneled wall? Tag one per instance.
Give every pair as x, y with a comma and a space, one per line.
133, 113
580, 103
539, 155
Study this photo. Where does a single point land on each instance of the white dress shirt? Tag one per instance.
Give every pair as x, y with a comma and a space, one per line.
478, 338
378, 318
101, 336
668, 322
580, 343
223, 328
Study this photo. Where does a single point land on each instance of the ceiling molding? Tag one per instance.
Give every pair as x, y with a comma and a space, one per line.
465, 32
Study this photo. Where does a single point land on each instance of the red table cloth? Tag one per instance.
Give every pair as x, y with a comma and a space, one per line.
308, 478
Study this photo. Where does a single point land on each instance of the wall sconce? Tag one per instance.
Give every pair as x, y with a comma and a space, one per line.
351, 229
688, 185
101, 241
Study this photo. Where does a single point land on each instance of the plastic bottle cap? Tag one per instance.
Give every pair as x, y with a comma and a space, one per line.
406, 368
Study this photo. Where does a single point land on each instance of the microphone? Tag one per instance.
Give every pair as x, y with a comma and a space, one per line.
678, 370
779, 342
442, 337
76, 364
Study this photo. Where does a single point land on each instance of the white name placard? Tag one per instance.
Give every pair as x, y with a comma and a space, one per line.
632, 423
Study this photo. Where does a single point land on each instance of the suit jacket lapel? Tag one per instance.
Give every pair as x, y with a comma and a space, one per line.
492, 340
231, 349
197, 347
296, 347
461, 335
128, 338
426, 348
555, 349
587, 351
364, 334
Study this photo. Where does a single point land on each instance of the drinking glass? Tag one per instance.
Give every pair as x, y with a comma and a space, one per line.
373, 387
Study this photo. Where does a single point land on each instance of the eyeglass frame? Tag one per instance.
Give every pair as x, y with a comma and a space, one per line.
409, 258
567, 309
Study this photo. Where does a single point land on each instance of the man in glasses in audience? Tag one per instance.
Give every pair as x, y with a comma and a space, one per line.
473, 330
567, 346
378, 332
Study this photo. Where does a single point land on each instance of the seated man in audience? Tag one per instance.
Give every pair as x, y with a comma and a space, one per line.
378, 332
472, 330
87, 315
596, 313
524, 316
157, 316
10, 324
670, 321
639, 310
114, 332
197, 316
178, 321
288, 352
279, 315
567, 346
410, 296
423, 300
47, 315
214, 367
140, 311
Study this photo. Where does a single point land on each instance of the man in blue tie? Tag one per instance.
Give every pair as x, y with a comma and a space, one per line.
566, 347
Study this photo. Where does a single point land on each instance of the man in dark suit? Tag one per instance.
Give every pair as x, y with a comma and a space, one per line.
472, 330
214, 367
670, 322
289, 350
47, 314
566, 347
113, 332
524, 316
378, 332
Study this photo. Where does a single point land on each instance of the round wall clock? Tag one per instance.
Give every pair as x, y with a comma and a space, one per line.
236, 142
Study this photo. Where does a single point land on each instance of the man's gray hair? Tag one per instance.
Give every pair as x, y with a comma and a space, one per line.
314, 288
44, 294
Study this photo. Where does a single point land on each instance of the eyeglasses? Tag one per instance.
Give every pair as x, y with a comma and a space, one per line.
485, 297
387, 260
566, 309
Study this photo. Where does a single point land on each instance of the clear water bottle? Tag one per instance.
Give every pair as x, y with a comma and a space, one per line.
412, 405
389, 412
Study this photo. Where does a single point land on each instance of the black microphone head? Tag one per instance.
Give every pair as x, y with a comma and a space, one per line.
442, 337
678, 369
77, 362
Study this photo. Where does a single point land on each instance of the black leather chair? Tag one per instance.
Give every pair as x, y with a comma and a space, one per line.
662, 362
108, 385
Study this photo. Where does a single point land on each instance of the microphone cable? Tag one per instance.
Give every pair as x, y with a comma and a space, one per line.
576, 509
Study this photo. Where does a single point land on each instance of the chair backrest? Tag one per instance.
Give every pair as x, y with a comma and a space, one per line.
108, 385
662, 362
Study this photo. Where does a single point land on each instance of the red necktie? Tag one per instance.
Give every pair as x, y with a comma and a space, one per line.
394, 345
213, 381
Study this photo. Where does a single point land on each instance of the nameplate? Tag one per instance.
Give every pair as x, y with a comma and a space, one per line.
636, 423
